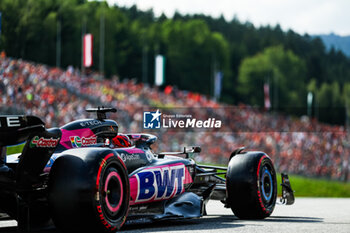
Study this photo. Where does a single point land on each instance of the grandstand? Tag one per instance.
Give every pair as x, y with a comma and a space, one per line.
299, 146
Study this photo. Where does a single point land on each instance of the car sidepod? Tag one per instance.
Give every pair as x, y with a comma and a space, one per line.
160, 191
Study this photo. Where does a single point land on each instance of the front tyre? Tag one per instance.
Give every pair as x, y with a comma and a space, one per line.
89, 194
251, 185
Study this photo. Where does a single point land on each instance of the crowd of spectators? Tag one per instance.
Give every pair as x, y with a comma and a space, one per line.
296, 145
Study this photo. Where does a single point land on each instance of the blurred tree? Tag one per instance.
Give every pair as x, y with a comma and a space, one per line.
192, 51
10, 40
194, 46
282, 69
331, 103
346, 96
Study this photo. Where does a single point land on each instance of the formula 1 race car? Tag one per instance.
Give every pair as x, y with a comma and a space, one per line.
76, 179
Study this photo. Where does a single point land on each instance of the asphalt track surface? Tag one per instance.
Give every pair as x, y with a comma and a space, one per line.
306, 215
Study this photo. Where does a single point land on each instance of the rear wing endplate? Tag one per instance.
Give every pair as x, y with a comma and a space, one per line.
15, 129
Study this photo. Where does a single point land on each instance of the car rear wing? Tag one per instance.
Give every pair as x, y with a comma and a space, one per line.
40, 144
15, 129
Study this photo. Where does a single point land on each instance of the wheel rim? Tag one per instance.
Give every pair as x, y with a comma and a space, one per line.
113, 194
266, 185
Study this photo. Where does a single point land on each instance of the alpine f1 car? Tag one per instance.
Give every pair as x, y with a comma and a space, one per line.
85, 176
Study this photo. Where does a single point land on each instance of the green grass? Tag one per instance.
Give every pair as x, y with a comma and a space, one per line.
313, 187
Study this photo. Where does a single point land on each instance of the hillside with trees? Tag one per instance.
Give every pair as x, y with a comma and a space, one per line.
195, 47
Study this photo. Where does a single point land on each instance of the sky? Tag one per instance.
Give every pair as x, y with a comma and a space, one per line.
303, 16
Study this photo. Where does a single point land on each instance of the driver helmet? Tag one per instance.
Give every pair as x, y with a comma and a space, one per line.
122, 140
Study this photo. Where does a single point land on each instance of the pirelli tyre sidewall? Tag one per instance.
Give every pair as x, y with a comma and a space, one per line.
112, 193
251, 185
89, 192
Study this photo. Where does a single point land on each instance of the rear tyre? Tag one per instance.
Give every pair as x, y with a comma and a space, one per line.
251, 185
89, 196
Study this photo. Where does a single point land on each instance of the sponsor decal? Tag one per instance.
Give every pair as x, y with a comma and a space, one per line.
84, 141
103, 220
43, 142
160, 183
129, 157
11, 121
91, 123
